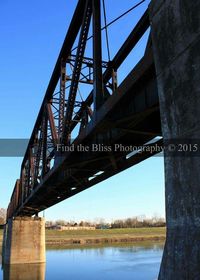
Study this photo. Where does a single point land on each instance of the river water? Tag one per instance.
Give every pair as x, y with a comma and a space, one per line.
121, 262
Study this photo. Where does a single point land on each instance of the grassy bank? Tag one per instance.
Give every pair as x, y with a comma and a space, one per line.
85, 237
102, 236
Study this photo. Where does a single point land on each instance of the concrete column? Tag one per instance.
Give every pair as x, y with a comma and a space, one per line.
24, 272
4, 240
24, 241
176, 45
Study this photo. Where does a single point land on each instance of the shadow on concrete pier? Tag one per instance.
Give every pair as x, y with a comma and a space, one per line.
24, 271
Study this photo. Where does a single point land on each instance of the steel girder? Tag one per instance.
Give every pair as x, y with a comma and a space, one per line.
61, 112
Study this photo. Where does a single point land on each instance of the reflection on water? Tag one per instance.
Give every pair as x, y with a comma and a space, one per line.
24, 272
130, 261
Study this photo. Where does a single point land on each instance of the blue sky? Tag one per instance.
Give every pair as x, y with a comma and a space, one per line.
31, 37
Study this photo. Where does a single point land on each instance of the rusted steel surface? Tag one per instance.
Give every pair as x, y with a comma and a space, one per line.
15, 199
109, 114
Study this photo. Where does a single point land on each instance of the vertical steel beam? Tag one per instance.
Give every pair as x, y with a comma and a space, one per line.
17, 194
31, 160
52, 124
44, 143
114, 80
97, 55
62, 98
21, 188
84, 119
23, 184
38, 155
77, 70
28, 175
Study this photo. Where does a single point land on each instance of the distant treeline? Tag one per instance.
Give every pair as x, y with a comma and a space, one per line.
138, 223
135, 222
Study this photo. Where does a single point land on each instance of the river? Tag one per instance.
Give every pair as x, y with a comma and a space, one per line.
121, 262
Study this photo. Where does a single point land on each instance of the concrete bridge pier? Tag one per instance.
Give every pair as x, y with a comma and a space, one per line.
24, 241
176, 45
24, 272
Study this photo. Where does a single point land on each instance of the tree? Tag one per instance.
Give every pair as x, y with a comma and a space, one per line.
60, 222
2, 216
49, 223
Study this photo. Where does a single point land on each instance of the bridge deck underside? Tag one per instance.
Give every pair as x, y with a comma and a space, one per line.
130, 117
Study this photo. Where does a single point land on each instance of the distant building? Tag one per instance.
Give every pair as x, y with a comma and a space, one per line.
103, 226
58, 227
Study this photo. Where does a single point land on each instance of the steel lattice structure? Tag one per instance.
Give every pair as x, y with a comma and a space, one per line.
109, 113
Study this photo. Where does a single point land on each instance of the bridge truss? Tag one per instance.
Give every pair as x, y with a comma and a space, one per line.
85, 105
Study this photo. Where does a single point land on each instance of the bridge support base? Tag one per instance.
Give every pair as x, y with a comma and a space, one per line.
24, 272
24, 241
176, 45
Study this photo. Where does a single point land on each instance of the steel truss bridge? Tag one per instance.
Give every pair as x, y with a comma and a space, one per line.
53, 169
